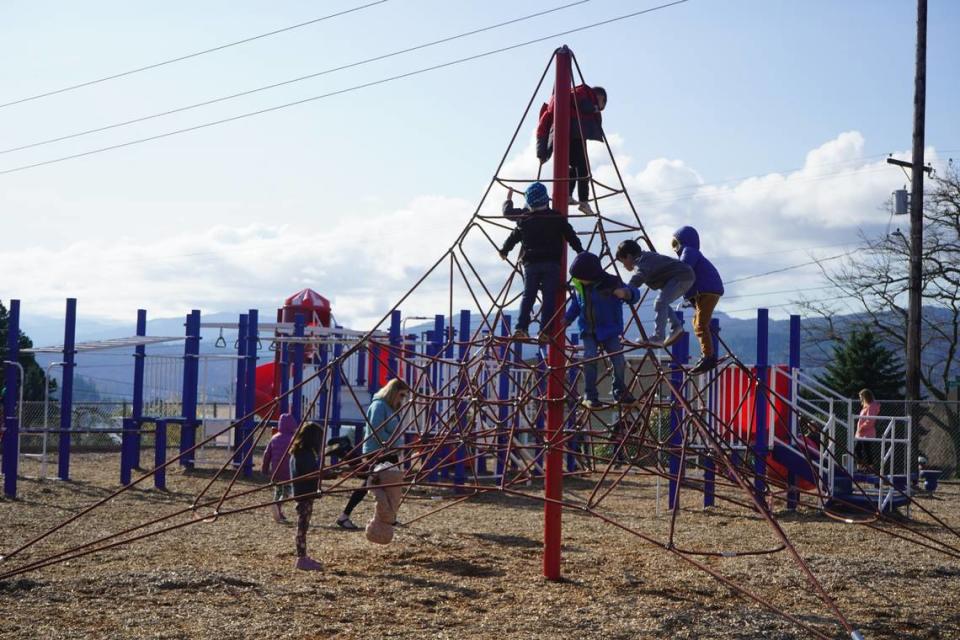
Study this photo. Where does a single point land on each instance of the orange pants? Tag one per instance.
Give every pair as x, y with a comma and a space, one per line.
703, 306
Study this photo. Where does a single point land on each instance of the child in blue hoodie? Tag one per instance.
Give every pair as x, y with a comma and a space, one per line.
597, 305
703, 295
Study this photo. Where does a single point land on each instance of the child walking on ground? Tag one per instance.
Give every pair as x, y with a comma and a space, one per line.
540, 231
863, 451
305, 458
597, 305
586, 123
703, 295
276, 463
382, 420
670, 277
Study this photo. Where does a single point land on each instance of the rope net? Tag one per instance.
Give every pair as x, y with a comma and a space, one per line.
475, 421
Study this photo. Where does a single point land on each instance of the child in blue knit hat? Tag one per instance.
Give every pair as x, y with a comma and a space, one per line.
541, 232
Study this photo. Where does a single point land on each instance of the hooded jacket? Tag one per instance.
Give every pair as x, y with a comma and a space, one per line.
541, 233
707, 277
596, 309
655, 270
583, 102
276, 456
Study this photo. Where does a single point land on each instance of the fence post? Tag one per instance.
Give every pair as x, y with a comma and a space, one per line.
160, 454
761, 440
240, 391
11, 423
251, 390
681, 355
66, 388
191, 380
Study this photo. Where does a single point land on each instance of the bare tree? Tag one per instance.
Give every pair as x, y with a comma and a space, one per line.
872, 284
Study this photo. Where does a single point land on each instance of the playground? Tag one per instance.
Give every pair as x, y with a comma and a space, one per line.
470, 571
724, 499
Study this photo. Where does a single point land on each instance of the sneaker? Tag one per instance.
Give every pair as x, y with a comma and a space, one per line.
585, 208
675, 334
347, 523
705, 364
306, 563
626, 398
655, 341
591, 405
573, 201
521, 333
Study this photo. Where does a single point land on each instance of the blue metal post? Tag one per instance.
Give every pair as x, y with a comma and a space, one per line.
191, 381
241, 386
11, 425
503, 393
574, 446
435, 349
323, 397
66, 388
253, 335
139, 366
713, 399
793, 495
336, 384
761, 439
362, 366
296, 407
160, 455
393, 370
681, 354
284, 377
460, 471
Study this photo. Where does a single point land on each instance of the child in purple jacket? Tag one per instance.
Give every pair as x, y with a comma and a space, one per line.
703, 295
276, 462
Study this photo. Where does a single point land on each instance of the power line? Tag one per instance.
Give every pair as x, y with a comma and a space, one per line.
189, 55
310, 76
792, 267
340, 91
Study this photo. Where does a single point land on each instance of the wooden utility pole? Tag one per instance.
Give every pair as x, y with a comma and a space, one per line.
916, 214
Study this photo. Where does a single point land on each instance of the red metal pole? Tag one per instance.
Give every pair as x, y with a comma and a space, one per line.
556, 359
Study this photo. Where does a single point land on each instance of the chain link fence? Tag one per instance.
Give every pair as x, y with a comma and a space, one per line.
96, 426
936, 434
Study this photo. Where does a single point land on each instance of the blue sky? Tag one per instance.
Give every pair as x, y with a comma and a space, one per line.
242, 214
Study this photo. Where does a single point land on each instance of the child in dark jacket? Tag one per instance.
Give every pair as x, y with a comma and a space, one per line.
541, 232
305, 457
669, 276
586, 123
597, 305
703, 295
276, 462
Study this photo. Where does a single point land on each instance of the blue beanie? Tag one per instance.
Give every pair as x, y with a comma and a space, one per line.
536, 195
586, 266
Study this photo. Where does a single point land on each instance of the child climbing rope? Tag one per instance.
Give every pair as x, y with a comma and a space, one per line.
276, 463
703, 295
586, 123
383, 420
669, 276
540, 231
597, 305
305, 457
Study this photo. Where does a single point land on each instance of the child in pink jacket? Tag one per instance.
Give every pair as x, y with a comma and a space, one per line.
276, 462
863, 452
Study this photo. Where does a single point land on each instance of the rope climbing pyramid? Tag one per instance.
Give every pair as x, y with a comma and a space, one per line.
494, 412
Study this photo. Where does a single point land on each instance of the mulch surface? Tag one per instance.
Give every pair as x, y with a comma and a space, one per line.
472, 570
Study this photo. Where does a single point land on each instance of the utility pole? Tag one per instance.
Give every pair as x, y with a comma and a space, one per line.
916, 214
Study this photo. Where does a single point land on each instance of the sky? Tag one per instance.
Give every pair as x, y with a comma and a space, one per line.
763, 124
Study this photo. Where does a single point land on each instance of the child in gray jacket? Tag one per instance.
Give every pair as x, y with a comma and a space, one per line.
671, 277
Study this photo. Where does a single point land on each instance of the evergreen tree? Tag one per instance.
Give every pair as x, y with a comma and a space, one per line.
33, 374
861, 361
